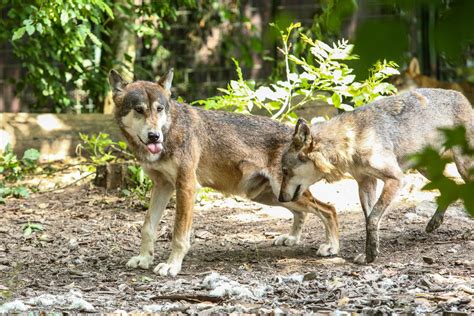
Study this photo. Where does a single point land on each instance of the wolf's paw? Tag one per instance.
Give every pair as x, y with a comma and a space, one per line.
434, 223
360, 259
167, 269
286, 240
326, 250
140, 261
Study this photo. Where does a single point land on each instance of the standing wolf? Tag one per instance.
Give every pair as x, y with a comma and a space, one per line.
180, 146
375, 142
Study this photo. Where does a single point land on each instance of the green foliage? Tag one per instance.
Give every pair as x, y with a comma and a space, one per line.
101, 149
139, 184
30, 228
70, 59
434, 164
335, 12
68, 47
13, 169
325, 78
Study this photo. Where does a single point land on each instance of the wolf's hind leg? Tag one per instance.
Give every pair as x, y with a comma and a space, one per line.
160, 196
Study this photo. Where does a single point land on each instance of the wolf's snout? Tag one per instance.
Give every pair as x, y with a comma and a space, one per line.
284, 197
153, 137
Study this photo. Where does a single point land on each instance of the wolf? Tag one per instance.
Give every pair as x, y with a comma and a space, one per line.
179, 146
412, 78
374, 142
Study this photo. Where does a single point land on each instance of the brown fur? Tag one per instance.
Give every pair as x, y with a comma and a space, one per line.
412, 78
235, 154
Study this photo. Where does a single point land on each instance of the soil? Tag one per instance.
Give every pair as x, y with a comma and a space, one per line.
89, 234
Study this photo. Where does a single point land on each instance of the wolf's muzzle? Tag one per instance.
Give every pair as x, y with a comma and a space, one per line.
153, 137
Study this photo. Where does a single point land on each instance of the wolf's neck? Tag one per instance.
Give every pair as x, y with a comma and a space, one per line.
333, 143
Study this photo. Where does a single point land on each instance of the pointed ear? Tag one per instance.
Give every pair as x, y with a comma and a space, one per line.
414, 67
302, 135
117, 83
166, 80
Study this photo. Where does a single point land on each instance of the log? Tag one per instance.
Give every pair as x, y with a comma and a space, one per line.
111, 175
56, 136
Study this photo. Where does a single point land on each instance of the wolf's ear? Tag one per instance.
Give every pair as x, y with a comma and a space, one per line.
302, 135
117, 83
166, 80
414, 67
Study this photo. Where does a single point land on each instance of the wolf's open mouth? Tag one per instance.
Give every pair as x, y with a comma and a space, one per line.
154, 148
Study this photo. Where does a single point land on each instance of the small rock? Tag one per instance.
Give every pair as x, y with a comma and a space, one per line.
203, 234
413, 218
72, 243
310, 276
428, 260
343, 301
15, 306
122, 287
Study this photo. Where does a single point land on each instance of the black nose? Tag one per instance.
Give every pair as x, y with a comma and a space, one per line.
153, 137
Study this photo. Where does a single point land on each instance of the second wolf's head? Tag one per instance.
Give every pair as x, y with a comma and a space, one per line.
142, 111
298, 169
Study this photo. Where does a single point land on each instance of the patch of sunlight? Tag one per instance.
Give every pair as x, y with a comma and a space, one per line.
247, 217
275, 212
50, 122
265, 213
5, 139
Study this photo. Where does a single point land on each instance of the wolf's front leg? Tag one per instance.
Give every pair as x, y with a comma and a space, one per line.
185, 194
293, 238
327, 213
160, 196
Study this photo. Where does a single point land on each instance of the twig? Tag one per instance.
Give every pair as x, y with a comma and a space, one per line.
195, 298
67, 185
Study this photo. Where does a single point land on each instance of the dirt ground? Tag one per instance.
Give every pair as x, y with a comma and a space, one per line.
77, 262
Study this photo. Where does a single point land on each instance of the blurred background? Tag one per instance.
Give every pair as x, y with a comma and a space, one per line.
55, 55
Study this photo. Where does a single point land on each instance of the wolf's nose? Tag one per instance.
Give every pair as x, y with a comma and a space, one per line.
153, 137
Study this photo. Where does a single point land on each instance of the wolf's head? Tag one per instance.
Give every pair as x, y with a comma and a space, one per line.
408, 79
142, 111
298, 170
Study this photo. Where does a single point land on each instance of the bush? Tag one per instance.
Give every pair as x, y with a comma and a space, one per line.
13, 169
326, 78
434, 164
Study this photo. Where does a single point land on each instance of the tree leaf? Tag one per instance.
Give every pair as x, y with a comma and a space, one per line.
18, 33
30, 29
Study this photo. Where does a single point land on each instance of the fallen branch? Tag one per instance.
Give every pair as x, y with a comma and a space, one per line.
194, 298
67, 185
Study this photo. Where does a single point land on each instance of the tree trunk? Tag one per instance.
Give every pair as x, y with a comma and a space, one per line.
123, 44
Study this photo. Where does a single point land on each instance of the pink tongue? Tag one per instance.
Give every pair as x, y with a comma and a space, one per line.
155, 148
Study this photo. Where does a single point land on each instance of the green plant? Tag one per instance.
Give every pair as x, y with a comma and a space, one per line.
325, 78
29, 228
13, 169
68, 61
139, 184
101, 149
434, 164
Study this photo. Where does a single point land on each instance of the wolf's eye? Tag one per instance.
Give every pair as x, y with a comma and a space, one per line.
160, 108
139, 110
285, 171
